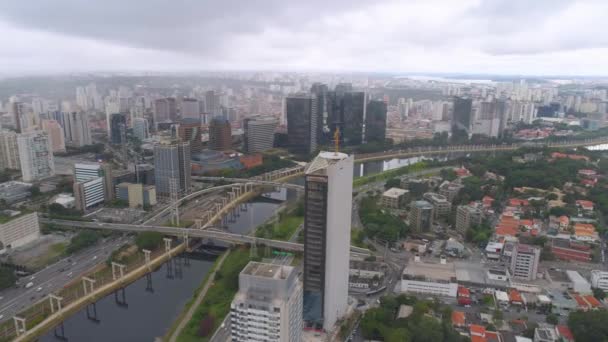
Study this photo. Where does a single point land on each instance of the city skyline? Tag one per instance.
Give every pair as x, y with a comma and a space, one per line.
473, 36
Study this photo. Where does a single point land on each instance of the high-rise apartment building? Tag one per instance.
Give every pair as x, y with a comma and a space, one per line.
190, 109
190, 130
259, 134
462, 116
18, 110
165, 110
9, 151
220, 134
268, 306
421, 216
140, 128
302, 116
524, 261
467, 216
76, 128
172, 168
375, 121
212, 104
118, 128
56, 135
35, 155
327, 220
441, 205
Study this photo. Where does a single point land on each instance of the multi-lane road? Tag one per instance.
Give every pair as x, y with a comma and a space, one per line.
54, 277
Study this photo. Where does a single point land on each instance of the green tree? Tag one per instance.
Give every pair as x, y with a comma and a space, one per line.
599, 293
392, 183
7, 278
149, 240
397, 335
589, 326
552, 319
426, 330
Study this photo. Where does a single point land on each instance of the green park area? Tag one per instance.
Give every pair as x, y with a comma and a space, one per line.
284, 225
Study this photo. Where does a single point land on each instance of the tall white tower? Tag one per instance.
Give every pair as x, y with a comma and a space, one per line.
327, 224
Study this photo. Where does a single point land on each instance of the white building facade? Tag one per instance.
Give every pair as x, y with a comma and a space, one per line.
35, 155
599, 279
327, 223
268, 306
19, 231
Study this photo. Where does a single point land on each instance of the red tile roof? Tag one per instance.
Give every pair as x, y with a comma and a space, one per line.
458, 318
479, 330
580, 301
565, 332
585, 203
515, 296
592, 301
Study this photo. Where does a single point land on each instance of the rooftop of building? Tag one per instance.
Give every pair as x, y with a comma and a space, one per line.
394, 192
264, 270
435, 197
422, 205
435, 271
11, 185
323, 160
523, 248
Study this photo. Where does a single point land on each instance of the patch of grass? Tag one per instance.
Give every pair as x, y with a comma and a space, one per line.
54, 253
216, 303
281, 230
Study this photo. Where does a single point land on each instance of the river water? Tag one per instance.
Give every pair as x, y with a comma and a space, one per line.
149, 314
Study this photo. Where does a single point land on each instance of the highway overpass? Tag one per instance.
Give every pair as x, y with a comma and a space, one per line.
190, 232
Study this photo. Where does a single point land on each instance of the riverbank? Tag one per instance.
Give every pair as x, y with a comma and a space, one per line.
417, 167
215, 304
185, 316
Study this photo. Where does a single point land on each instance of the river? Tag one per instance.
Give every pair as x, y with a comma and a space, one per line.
149, 314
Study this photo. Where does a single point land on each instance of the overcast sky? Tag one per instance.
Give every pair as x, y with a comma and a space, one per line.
469, 36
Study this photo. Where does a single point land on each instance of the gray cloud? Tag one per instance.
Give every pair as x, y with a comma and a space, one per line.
381, 35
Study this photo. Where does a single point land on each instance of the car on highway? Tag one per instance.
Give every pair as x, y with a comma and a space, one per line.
28, 285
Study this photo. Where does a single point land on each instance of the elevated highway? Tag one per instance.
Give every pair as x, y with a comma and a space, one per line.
209, 233
434, 150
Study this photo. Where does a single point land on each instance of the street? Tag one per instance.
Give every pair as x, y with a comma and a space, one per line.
54, 277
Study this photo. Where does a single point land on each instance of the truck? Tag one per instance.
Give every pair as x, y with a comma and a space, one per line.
28, 285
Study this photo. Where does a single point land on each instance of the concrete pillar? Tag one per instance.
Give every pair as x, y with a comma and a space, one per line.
55, 299
187, 241
120, 268
20, 326
167, 245
88, 284
147, 256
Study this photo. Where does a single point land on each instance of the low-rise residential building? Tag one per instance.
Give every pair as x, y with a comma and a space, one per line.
395, 198
441, 205
18, 231
585, 232
565, 249
586, 207
599, 279
545, 333
438, 279
578, 283
467, 216
13, 191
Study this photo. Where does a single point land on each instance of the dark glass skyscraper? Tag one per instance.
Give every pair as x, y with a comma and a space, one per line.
346, 110
375, 121
302, 126
463, 110
118, 128
324, 135
220, 134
